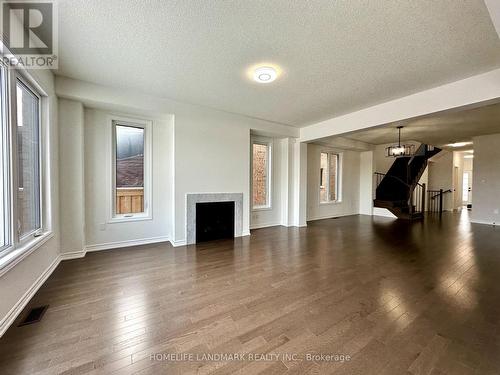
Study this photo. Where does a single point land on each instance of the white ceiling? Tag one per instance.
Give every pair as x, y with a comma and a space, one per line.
437, 130
336, 56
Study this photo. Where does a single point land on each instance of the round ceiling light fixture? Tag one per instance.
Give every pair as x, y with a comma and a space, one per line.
265, 74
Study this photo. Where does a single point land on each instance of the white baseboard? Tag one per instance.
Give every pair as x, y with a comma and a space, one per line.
492, 223
11, 316
73, 255
328, 217
178, 243
246, 233
259, 226
118, 244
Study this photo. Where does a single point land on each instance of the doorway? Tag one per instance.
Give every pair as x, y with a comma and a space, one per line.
467, 189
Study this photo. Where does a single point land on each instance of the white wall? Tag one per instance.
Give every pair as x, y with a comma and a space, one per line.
366, 170
19, 282
71, 171
100, 233
441, 176
287, 181
486, 180
350, 182
211, 152
458, 171
212, 155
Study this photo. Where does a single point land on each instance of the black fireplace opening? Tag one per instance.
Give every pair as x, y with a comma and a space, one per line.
214, 221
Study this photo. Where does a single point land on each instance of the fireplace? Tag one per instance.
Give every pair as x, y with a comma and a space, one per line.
214, 221
235, 200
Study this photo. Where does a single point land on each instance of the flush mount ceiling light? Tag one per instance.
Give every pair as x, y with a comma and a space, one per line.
265, 74
459, 144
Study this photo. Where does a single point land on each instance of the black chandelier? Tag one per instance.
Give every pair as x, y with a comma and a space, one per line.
399, 149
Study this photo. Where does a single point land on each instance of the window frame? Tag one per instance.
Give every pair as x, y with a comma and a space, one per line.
269, 162
15, 170
338, 180
5, 160
147, 125
18, 247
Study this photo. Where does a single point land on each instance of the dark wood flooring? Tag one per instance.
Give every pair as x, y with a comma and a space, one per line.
397, 297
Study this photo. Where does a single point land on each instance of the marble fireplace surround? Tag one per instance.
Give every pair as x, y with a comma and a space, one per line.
193, 198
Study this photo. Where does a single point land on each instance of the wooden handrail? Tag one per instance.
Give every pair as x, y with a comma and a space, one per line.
433, 194
438, 192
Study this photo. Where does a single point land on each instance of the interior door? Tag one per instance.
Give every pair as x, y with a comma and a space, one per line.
467, 188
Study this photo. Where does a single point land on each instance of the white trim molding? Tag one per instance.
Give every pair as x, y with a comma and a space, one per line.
73, 255
326, 217
177, 243
130, 243
14, 257
268, 225
113, 121
482, 222
11, 316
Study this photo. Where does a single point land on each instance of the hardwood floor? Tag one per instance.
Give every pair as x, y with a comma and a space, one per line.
397, 297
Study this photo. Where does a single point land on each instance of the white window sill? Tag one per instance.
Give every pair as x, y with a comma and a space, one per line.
125, 219
262, 208
330, 202
9, 260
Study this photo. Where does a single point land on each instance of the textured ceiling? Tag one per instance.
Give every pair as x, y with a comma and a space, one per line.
336, 56
437, 130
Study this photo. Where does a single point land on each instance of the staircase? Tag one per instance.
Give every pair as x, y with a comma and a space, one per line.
398, 190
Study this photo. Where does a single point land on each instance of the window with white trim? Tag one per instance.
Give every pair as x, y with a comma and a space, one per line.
29, 219
4, 182
20, 162
261, 174
131, 169
329, 177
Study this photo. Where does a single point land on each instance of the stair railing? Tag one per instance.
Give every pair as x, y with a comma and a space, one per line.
416, 202
436, 198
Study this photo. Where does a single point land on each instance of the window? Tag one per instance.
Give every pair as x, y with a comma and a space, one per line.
27, 160
20, 163
130, 173
4, 211
261, 174
329, 177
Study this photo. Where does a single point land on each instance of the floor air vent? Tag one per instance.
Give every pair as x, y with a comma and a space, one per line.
34, 316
